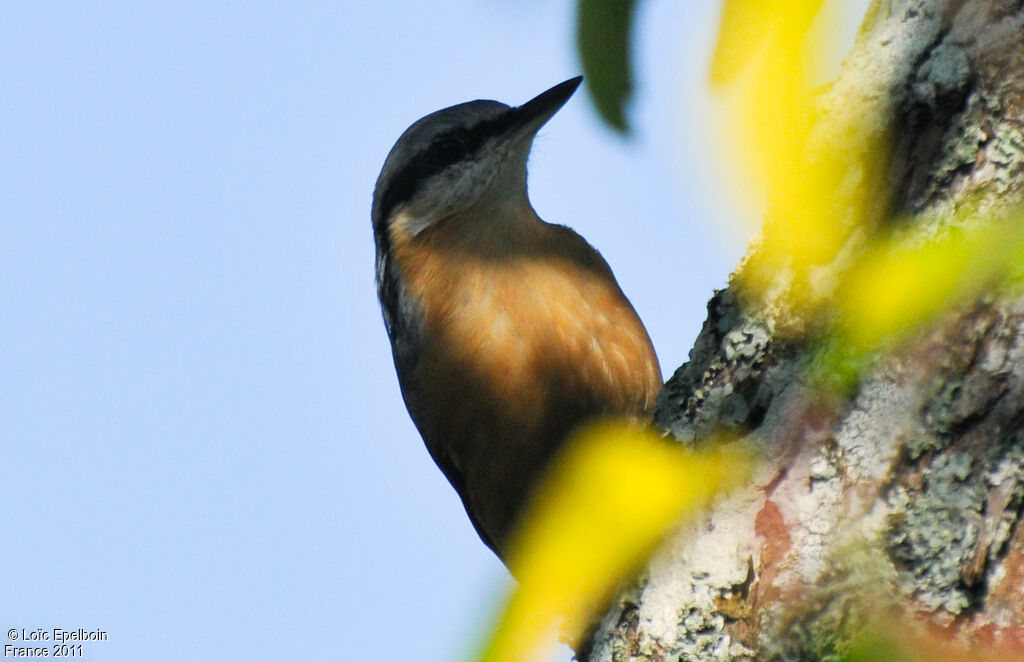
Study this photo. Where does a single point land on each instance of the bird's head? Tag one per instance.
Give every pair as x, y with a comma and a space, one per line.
447, 161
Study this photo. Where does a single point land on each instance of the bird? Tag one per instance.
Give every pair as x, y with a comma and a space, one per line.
507, 332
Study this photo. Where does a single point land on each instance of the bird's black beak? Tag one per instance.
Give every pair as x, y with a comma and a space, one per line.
533, 114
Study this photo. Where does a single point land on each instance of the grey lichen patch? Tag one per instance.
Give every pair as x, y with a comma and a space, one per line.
701, 635
937, 133
1006, 495
934, 531
622, 624
745, 342
1006, 155
961, 400
946, 73
963, 146
939, 416
956, 172
919, 445
867, 439
969, 384
959, 113
1008, 147
724, 384
696, 585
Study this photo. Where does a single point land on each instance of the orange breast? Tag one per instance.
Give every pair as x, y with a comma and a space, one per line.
528, 335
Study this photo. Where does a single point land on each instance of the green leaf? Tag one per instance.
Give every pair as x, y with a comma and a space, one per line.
602, 38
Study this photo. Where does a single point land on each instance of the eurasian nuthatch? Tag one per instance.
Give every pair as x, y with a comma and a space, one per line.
507, 331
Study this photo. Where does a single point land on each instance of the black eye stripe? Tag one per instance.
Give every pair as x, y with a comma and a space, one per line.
451, 147
444, 150
453, 140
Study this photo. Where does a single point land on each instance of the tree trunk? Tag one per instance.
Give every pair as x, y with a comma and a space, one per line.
902, 499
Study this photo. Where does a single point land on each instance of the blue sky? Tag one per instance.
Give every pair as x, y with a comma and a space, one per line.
205, 450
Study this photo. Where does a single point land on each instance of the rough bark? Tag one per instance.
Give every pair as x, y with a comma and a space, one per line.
902, 497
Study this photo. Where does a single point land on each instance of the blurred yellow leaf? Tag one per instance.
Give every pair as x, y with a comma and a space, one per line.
895, 288
748, 28
771, 52
606, 502
740, 37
